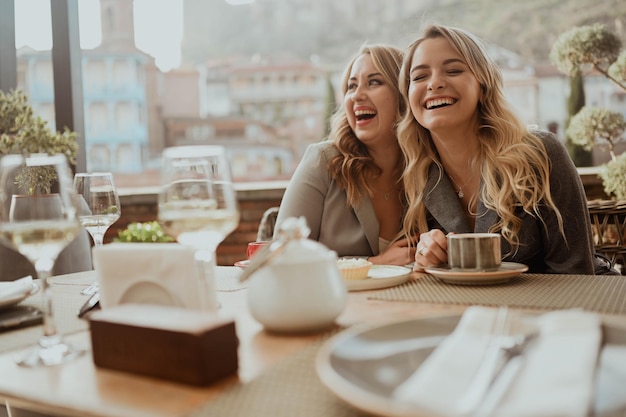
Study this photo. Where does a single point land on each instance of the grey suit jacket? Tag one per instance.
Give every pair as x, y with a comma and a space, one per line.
311, 193
543, 248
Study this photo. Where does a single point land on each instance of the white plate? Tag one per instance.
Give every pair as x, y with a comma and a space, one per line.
356, 365
15, 299
380, 276
506, 271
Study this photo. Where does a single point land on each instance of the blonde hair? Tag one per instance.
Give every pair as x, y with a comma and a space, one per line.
353, 167
514, 165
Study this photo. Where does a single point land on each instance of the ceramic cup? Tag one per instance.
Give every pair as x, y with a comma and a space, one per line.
253, 247
474, 251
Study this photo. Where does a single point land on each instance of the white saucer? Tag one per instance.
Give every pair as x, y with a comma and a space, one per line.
506, 271
380, 276
16, 298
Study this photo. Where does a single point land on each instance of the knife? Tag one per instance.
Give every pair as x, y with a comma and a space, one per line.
93, 303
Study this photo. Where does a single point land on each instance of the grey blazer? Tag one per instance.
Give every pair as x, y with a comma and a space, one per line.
311, 193
543, 248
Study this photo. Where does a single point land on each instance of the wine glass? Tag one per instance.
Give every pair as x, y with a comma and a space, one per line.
98, 207
39, 221
198, 206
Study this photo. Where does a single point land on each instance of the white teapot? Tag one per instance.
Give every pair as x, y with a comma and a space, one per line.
299, 288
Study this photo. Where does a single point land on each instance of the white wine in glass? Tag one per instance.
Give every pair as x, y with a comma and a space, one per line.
98, 207
198, 205
39, 221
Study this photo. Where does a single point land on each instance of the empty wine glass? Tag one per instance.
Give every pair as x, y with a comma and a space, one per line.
98, 207
39, 219
198, 206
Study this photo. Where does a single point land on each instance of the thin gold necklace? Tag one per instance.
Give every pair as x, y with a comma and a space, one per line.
459, 193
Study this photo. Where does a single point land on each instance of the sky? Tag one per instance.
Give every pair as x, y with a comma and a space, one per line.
158, 27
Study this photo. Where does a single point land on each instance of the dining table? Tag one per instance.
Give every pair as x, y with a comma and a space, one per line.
276, 372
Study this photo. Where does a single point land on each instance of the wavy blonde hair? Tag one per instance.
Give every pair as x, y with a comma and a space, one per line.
514, 165
353, 167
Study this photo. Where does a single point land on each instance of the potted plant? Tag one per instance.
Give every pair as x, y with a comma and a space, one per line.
575, 52
24, 132
143, 232
21, 131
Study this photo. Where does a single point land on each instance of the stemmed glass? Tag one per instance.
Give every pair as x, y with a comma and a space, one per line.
198, 206
98, 207
40, 221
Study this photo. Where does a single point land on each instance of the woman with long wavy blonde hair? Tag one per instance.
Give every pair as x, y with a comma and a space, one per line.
349, 187
472, 166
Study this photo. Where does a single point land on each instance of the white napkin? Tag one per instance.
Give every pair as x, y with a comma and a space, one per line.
150, 273
556, 378
12, 289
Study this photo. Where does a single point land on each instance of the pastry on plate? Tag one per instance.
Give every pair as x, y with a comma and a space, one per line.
354, 268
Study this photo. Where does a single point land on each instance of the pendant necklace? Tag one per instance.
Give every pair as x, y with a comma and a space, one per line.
459, 193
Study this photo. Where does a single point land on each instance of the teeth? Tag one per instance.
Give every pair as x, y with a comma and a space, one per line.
364, 112
438, 102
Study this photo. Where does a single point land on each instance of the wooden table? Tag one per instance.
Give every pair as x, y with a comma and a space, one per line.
78, 388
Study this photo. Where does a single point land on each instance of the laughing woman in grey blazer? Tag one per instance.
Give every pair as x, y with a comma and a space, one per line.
348, 187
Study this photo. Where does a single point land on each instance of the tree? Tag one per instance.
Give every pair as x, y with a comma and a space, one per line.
594, 47
576, 101
330, 106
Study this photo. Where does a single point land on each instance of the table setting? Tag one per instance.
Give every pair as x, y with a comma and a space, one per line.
302, 332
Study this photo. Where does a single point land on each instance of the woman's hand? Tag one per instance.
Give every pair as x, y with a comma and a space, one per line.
432, 249
399, 252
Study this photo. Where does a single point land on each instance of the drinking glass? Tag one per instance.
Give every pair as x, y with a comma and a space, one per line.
98, 207
40, 221
198, 206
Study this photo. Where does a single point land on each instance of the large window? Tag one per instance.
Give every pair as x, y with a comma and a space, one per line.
215, 67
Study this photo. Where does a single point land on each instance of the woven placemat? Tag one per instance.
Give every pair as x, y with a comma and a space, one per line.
289, 389
603, 294
66, 304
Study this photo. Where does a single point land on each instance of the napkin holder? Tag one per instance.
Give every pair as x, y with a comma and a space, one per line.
147, 273
177, 344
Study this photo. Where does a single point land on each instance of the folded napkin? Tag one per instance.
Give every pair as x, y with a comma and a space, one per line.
12, 289
555, 377
152, 273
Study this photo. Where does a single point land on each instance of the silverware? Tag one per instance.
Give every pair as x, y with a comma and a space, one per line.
502, 349
92, 303
291, 229
261, 258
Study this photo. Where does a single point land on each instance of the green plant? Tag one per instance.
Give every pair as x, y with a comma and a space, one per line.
146, 232
594, 47
23, 132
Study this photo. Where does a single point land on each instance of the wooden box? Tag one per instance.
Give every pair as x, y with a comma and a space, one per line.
188, 346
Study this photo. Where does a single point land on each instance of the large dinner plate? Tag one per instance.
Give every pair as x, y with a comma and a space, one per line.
17, 298
380, 276
364, 365
504, 273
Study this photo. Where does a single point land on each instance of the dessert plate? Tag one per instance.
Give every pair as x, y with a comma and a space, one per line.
380, 276
363, 365
506, 271
13, 299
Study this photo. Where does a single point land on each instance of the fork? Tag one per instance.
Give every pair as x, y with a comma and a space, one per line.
502, 348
